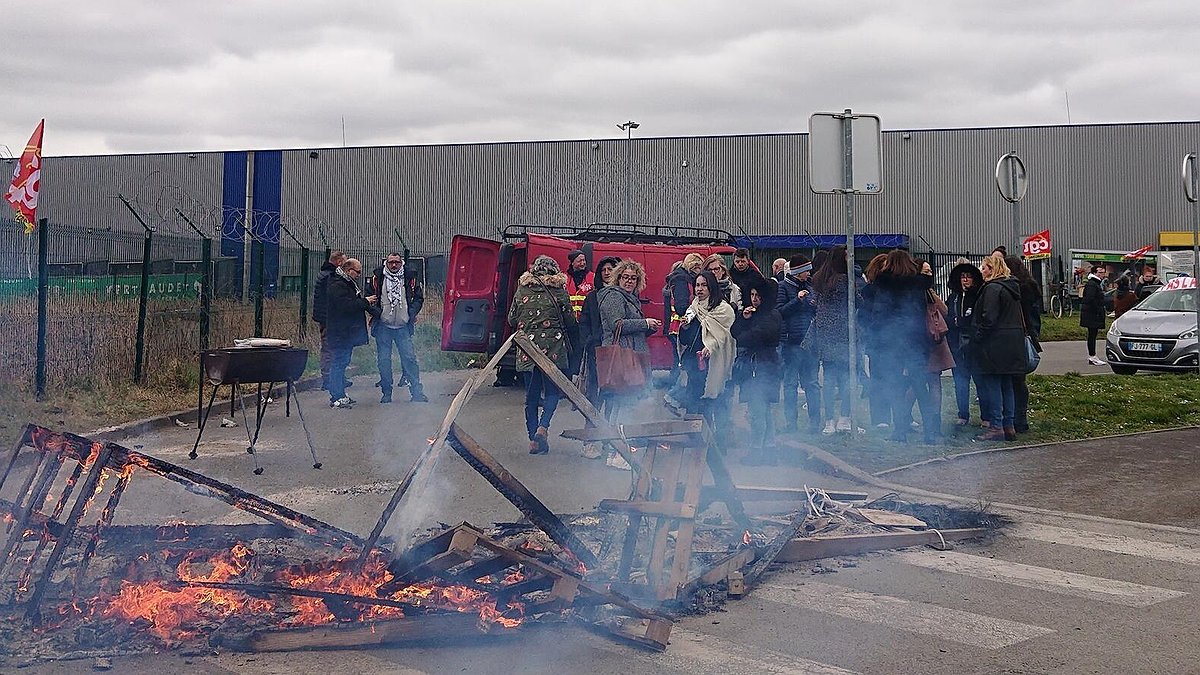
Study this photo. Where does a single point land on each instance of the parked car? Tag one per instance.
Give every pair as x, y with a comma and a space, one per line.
1159, 333
482, 276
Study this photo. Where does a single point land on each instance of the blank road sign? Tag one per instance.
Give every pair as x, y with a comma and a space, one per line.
827, 154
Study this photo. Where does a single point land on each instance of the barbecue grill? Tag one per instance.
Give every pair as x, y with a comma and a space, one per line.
237, 366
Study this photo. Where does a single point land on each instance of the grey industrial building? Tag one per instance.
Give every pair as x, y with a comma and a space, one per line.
1109, 186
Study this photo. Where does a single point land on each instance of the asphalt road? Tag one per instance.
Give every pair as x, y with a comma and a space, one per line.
1054, 593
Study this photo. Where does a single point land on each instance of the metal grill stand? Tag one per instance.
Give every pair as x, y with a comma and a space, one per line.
257, 366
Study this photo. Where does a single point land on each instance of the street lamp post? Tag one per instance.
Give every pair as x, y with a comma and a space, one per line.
628, 128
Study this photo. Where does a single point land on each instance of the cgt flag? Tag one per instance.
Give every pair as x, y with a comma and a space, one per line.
23, 191
1138, 254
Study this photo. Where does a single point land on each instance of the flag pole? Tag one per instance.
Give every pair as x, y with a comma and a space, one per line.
39, 377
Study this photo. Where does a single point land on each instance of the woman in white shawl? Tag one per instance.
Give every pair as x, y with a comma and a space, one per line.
708, 351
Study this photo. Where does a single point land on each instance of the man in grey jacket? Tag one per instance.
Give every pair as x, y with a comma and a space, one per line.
400, 298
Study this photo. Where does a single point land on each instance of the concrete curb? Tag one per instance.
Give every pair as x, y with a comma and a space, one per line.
148, 424
1030, 446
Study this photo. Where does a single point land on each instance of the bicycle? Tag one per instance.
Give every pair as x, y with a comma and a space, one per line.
1061, 301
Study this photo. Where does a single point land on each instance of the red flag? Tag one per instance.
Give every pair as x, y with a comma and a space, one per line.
23, 191
1138, 254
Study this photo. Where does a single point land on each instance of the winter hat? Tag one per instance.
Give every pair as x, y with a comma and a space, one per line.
573, 255
544, 266
799, 269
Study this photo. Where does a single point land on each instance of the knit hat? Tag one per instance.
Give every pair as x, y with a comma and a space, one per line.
573, 255
799, 269
544, 266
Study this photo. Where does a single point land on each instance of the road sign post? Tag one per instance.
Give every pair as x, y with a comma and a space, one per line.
1190, 191
1012, 181
845, 156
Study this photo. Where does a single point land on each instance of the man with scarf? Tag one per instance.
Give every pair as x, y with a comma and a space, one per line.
400, 299
346, 325
580, 280
798, 305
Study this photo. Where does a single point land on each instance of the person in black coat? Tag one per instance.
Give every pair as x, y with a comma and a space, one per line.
798, 305
1031, 309
965, 283
757, 329
1091, 311
902, 342
590, 332
997, 347
346, 325
320, 293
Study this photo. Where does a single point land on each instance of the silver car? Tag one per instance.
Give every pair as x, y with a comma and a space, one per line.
1159, 333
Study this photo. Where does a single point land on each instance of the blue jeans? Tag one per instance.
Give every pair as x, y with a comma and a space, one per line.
837, 375
962, 391
800, 370
999, 399
337, 371
385, 337
539, 392
760, 414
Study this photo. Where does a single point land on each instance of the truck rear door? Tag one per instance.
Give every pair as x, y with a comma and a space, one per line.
470, 301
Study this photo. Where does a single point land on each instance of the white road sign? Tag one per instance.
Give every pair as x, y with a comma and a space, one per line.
827, 153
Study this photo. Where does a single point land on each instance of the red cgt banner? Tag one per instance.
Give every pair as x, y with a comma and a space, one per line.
1037, 246
23, 191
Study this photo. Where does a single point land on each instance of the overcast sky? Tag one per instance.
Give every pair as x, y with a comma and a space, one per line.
125, 76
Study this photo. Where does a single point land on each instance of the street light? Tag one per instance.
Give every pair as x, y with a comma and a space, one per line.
628, 128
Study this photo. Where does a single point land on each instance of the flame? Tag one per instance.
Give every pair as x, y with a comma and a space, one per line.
746, 537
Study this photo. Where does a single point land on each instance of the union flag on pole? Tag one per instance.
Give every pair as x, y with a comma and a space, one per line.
23, 191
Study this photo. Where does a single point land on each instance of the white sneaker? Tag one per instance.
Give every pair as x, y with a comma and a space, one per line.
671, 401
1096, 361
830, 428
914, 424
843, 424
590, 451
882, 425
343, 402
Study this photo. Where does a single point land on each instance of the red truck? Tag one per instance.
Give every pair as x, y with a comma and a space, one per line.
482, 276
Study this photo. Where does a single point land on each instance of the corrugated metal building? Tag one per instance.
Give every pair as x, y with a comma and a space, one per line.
1112, 186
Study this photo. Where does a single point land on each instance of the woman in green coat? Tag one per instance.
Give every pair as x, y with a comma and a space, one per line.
542, 310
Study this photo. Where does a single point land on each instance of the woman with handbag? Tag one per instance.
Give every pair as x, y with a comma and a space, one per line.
708, 351
997, 348
623, 358
542, 309
757, 370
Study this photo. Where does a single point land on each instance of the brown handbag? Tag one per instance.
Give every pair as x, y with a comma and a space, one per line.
940, 357
621, 370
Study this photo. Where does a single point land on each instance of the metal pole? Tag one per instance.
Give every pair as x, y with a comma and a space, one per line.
303, 292
851, 286
260, 252
1016, 205
1196, 246
143, 301
39, 376
628, 164
206, 282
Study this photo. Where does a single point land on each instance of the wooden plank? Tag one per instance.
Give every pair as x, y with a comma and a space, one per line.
430, 452
723, 481
462, 543
684, 535
813, 548
890, 518
515, 491
648, 508
640, 490
646, 430
573, 394
341, 636
656, 568
25, 439
719, 570
760, 493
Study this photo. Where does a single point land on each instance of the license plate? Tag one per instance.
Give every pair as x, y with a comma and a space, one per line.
1144, 346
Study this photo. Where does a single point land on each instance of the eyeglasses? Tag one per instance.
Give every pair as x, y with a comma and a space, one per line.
629, 277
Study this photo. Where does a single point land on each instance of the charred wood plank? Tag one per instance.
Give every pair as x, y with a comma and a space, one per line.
458, 551
87, 492
25, 439
26, 506
433, 627
677, 510
480, 569
772, 551
105, 520
827, 546
516, 492
719, 570
759, 493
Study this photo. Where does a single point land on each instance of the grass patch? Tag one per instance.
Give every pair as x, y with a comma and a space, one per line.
1066, 328
1061, 407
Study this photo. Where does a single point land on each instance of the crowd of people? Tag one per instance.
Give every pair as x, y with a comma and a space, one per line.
739, 337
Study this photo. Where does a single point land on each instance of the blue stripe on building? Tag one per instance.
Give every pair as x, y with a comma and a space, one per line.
268, 190
233, 204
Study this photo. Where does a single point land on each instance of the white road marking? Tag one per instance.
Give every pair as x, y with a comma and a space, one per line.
1111, 543
697, 653
903, 615
1040, 578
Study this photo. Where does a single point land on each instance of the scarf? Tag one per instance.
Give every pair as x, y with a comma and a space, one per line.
715, 335
395, 309
342, 273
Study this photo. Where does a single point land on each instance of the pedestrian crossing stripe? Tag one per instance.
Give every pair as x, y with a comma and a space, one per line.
1110, 543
